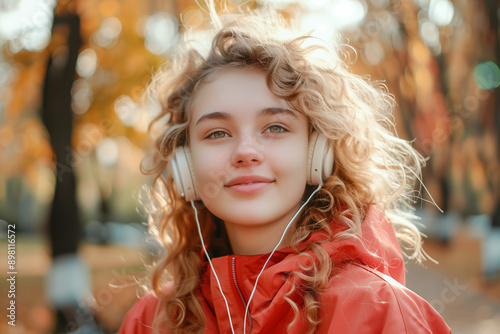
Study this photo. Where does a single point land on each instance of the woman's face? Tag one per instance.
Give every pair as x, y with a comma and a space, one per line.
248, 149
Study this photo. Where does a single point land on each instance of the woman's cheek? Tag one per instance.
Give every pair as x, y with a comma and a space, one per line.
210, 174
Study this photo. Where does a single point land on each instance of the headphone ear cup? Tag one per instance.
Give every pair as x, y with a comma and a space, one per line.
320, 160
182, 172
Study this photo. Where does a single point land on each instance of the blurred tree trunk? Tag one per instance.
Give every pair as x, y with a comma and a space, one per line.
64, 228
493, 9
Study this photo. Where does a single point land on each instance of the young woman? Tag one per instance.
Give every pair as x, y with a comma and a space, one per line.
285, 195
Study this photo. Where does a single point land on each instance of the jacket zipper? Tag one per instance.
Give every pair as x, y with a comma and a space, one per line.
241, 295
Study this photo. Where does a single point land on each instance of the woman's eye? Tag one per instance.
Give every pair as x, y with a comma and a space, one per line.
217, 135
276, 129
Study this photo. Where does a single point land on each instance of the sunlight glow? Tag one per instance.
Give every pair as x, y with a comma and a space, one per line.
160, 31
314, 4
27, 26
348, 13
441, 12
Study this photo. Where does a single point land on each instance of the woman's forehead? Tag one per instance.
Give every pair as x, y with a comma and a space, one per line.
232, 87
235, 88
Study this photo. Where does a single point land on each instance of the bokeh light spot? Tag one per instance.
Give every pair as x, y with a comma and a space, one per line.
160, 32
109, 32
487, 75
318, 25
107, 152
348, 13
441, 12
82, 96
429, 33
27, 25
127, 110
36, 39
86, 63
374, 53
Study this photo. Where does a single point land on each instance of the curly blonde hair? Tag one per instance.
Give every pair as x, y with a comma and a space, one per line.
372, 166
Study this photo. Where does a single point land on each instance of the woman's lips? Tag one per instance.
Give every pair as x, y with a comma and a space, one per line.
248, 184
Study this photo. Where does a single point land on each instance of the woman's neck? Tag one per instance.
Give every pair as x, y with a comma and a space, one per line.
260, 239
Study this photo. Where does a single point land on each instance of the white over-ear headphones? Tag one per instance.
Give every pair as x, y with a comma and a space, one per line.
320, 160
319, 166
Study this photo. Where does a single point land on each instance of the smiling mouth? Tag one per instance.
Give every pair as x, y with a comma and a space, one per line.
248, 187
249, 183
248, 179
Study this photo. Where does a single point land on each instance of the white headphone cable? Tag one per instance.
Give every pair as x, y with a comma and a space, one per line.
211, 266
271, 255
262, 270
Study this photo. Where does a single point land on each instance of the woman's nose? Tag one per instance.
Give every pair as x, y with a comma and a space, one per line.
248, 151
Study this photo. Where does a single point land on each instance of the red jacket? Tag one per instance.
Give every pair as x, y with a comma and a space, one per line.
366, 293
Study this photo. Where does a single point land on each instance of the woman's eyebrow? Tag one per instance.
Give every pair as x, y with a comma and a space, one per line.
221, 115
271, 111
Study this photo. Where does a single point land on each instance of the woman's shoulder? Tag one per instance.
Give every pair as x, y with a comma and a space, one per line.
363, 300
140, 318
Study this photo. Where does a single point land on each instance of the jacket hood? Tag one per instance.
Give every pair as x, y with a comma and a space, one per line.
377, 247
365, 294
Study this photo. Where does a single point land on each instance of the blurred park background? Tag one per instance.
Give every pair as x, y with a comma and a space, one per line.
73, 132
